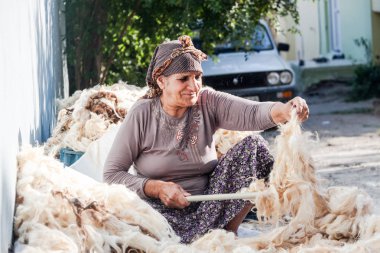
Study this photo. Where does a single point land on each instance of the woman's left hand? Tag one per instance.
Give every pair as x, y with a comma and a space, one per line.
281, 112
299, 104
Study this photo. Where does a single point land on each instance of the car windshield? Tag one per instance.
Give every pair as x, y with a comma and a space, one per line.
260, 41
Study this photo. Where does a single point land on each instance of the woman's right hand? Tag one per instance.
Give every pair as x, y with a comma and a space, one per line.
171, 194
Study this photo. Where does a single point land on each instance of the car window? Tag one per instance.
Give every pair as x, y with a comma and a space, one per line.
260, 41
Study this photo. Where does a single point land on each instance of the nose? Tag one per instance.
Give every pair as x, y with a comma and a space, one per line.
194, 83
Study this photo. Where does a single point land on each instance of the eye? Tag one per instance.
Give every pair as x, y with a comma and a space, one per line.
183, 78
198, 77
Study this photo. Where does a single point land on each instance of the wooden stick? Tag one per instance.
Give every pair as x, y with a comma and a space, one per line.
229, 196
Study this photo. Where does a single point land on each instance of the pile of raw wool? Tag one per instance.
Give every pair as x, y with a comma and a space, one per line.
86, 115
61, 210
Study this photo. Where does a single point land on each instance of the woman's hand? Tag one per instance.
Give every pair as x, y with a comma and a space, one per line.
281, 112
170, 194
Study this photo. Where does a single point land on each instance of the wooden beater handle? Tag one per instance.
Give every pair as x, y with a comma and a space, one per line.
229, 196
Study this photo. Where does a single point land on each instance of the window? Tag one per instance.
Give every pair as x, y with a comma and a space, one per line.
334, 25
260, 41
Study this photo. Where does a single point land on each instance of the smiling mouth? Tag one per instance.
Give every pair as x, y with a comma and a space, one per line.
189, 94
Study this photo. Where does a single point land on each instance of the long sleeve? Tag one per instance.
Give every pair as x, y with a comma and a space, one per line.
235, 113
124, 151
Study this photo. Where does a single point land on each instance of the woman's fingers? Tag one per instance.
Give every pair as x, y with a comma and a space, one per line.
299, 104
173, 195
177, 201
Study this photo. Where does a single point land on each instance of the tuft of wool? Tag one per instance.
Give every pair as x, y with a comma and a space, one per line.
226, 139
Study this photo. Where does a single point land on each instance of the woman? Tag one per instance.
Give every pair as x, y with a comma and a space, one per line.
168, 137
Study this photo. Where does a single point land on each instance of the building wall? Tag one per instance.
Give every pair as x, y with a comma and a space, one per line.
323, 23
314, 37
282, 35
376, 30
305, 44
356, 23
30, 81
308, 40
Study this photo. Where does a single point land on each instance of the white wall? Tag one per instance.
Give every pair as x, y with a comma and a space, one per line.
30, 80
306, 44
355, 23
314, 41
308, 39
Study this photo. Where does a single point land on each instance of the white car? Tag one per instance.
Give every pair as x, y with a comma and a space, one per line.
259, 73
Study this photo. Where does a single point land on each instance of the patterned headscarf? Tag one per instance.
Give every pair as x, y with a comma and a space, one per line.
177, 56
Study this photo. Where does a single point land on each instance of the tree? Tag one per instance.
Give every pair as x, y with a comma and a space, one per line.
114, 40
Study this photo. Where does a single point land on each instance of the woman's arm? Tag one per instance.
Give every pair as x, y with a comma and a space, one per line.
124, 151
236, 113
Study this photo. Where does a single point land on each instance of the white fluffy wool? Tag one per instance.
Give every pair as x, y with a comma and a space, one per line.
76, 214
77, 127
226, 139
337, 216
68, 102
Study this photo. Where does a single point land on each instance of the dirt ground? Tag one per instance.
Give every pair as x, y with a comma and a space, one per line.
348, 151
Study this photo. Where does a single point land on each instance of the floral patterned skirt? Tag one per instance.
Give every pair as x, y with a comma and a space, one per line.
248, 159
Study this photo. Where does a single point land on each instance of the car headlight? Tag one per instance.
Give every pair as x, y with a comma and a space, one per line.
285, 77
273, 78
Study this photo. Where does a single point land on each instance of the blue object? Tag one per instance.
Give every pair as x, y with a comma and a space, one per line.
68, 156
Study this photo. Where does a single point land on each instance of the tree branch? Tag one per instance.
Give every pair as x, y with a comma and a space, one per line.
114, 49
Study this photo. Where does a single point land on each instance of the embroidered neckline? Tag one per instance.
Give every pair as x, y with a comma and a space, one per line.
185, 129
165, 119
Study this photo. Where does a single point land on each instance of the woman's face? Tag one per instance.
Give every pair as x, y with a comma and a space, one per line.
181, 89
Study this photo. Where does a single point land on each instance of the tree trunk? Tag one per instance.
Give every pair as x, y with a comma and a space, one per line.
87, 36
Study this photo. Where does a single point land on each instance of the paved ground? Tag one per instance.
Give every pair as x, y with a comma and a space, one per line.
348, 152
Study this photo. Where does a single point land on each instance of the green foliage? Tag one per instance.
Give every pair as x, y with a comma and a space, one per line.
366, 83
367, 77
114, 40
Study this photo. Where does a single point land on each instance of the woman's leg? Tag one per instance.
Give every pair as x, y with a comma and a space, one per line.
248, 160
263, 167
234, 224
